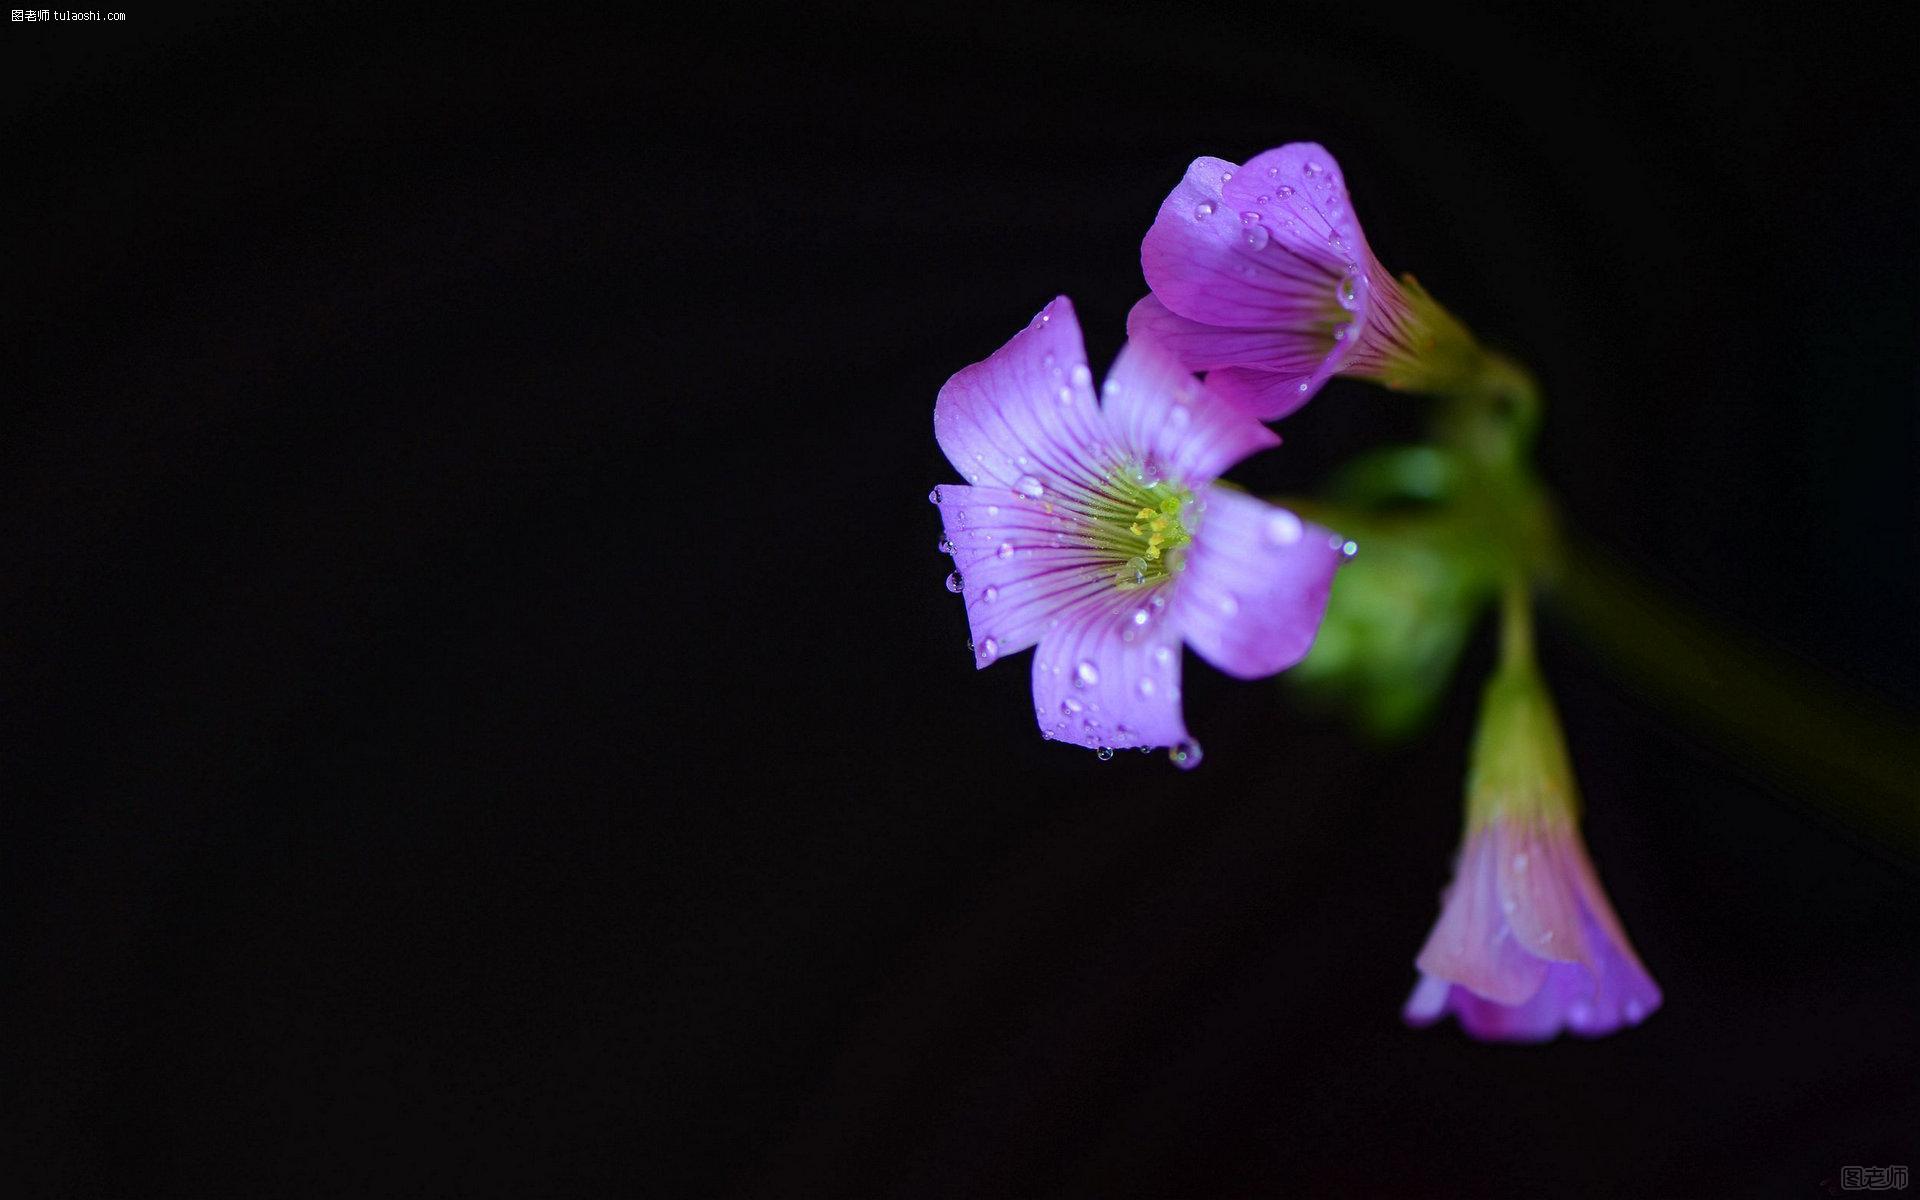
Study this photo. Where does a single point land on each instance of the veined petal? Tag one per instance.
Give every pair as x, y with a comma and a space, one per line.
1300, 195
1203, 347
1025, 417
1255, 585
1109, 675
1167, 421
1199, 259
1230, 258
1267, 395
1021, 564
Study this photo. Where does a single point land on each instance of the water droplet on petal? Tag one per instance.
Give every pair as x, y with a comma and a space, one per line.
1081, 376
1005, 550
1186, 755
1139, 616
1348, 293
1070, 707
1349, 549
990, 594
1086, 674
1144, 687
933, 497
1257, 237
1028, 486
1163, 655
989, 650
954, 582
1104, 754
1203, 210
1311, 169
1273, 172
1226, 177
1283, 528
1285, 192
1249, 218
945, 546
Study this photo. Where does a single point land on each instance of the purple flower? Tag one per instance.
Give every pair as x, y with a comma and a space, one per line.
1527, 944
1097, 531
1262, 278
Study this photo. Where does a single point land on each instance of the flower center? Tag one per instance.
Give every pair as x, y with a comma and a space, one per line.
1142, 526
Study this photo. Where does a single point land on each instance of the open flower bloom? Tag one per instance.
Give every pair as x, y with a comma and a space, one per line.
1096, 531
1262, 278
1527, 944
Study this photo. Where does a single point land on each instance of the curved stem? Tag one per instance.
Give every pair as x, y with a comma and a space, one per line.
1794, 723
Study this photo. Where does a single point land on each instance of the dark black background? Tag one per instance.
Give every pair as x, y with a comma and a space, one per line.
480, 710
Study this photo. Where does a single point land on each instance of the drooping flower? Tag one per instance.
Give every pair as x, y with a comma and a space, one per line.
1262, 278
1527, 944
1096, 530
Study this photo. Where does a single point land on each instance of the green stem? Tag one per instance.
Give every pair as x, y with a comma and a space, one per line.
1797, 725
1516, 624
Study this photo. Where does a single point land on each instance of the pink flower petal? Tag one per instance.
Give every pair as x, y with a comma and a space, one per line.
1471, 944
1267, 395
1300, 195
1020, 567
1025, 417
1164, 418
1109, 675
1255, 584
1536, 891
1201, 262
1202, 347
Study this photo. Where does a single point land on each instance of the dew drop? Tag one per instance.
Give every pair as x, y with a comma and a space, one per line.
954, 582
1070, 707
933, 497
1086, 674
1284, 192
1066, 395
1283, 528
1229, 606
1249, 218
1273, 172
1163, 655
1226, 177
1311, 169
990, 594
1304, 387
1186, 755
1028, 486
1139, 616
989, 650
1104, 754
1005, 550
1144, 687
1203, 210
945, 546
1257, 237
1348, 293
1349, 549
